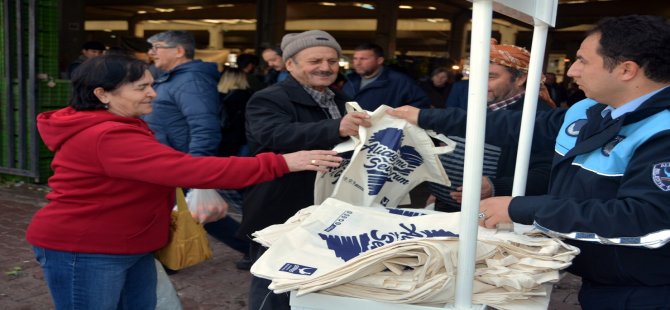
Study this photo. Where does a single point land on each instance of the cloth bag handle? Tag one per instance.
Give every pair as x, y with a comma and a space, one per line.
450, 145
181, 201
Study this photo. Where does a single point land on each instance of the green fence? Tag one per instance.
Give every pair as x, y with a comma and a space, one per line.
33, 88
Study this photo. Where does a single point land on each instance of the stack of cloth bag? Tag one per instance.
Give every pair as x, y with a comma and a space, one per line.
405, 256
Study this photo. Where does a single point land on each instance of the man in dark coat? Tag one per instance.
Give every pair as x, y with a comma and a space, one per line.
299, 113
374, 84
506, 89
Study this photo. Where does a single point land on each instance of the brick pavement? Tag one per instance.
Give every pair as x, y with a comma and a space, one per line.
215, 284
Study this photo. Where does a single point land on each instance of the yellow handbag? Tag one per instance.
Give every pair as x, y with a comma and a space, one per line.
188, 244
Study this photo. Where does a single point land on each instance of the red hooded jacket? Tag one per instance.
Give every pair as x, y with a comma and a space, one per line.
113, 184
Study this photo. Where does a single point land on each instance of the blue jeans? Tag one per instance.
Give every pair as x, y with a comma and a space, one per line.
99, 281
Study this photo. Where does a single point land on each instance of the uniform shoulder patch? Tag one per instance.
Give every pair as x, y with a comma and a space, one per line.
573, 129
660, 174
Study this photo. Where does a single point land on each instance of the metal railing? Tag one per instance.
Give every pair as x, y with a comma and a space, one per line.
20, 151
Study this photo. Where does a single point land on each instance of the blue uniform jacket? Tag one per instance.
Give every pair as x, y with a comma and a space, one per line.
186, 112
609, 189
391, 88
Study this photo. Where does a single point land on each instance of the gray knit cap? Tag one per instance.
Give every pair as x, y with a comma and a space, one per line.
292, 43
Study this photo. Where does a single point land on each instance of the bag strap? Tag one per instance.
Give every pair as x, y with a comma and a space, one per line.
450, 145
353, 106
181, 201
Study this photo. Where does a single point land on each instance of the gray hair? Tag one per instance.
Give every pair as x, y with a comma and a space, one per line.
176, 37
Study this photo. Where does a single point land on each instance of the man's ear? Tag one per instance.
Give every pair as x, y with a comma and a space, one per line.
289, 64
521, 80
181, 52
101, 94
629, 70
380, 60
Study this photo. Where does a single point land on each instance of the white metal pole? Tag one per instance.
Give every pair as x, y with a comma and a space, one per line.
482, 14
530, 107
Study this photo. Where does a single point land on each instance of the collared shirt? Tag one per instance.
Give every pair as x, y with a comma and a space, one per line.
325, 99
503, 104
629, 106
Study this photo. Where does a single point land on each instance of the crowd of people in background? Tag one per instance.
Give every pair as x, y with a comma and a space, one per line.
292, 98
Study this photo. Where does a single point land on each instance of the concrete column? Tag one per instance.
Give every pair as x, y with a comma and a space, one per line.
139, 29
507, 35
458, 35
215, 37
387, 21
270, 23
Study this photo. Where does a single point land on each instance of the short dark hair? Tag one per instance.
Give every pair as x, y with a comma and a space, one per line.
439, 70
376, 49
93, 45
644, 40
275, 49
515, 73
107, 71
245, 59
116, 50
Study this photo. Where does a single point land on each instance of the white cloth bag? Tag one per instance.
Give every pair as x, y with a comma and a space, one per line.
336, 232
405, 256
383, 163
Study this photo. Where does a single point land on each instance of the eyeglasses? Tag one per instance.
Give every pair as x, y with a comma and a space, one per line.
156, 47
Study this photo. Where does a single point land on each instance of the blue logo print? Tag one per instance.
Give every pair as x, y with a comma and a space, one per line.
335, 172
660, 174
298, 269
339, 220
348, 247
388, 160
404, 212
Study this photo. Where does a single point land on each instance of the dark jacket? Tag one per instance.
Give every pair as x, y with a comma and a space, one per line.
436, 95
186, 114
391, 88
608, 192
538, 168
284, 118
233, 134
458, 95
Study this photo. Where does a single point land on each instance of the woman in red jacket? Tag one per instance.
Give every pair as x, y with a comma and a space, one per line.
113, 188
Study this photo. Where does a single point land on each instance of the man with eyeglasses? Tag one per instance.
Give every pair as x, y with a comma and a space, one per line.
186, 114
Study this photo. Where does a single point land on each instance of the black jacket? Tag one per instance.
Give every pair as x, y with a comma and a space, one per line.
284, 118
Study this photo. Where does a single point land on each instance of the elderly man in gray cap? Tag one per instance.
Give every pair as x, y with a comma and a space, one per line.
298, 113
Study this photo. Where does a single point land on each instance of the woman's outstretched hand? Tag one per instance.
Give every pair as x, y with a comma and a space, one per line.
317, 160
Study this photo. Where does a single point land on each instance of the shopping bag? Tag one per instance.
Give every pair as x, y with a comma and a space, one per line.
206, 205
336, 232
188, 243
383, 163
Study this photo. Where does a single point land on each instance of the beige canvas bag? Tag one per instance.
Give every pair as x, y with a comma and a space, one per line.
383, 163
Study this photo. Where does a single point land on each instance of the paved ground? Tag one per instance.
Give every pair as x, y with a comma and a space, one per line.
215, 284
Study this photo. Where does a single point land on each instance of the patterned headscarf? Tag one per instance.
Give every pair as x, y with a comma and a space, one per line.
510, 56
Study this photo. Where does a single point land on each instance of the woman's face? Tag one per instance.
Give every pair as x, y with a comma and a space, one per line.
131, 99
440, 79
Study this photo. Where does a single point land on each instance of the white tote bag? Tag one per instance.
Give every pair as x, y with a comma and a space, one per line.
336, 232
383, 163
